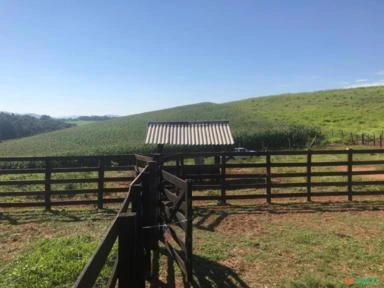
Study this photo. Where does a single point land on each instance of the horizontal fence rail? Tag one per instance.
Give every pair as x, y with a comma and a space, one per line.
281, 174
58, 181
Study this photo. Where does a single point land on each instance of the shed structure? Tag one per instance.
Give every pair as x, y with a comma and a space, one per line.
204, 133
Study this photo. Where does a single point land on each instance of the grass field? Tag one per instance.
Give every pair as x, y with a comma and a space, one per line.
278, 245
353, 110
247, 243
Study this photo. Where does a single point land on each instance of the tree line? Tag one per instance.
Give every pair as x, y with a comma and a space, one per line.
16, 126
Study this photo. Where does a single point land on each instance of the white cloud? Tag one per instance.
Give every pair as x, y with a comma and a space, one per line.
366, 84
361, 80
380, 73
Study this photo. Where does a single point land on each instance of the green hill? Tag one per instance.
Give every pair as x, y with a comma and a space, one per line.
353, 110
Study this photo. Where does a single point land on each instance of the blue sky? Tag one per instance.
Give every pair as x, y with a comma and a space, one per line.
124, 57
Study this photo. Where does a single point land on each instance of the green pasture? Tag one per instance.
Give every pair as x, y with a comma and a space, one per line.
351, 110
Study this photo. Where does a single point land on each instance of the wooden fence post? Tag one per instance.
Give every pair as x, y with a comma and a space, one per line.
222, 181
136, 198
182, 174
150, 213
48, 175
178, 172
128, 252
309, 172
100, 184
188, 234
268, 175
350, 159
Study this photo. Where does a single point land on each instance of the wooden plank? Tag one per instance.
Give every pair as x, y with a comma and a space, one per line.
143, 158
74, 180
74, 170
349, 169
22, 182
170, 232
100, 184
173, 179
188, 235
48, 174
309, 171
114, 275
246, 176
170, 195
22, 171
286, 195
22, 193
21, 204
222, 180
367, 183
129, 252
268, 178
368, 162
181, 220
245, 165
371, 172
176, 256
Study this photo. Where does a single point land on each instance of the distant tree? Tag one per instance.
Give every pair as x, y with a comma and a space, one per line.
17, 126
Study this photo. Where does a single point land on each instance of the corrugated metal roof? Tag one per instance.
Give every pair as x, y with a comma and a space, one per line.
189, 133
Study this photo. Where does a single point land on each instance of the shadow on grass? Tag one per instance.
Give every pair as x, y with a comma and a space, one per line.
15, 217
206, 273
209, 217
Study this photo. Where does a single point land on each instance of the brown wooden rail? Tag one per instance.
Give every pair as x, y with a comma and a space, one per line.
45, 181
279, 174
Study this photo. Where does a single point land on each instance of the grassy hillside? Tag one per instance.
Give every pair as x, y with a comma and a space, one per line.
354, 110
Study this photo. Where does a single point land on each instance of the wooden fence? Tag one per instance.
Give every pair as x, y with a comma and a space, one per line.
53, 181
368, 139
155, 211
176, 221
128, 270
282, 174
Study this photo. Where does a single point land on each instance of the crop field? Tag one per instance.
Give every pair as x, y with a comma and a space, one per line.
352, 110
